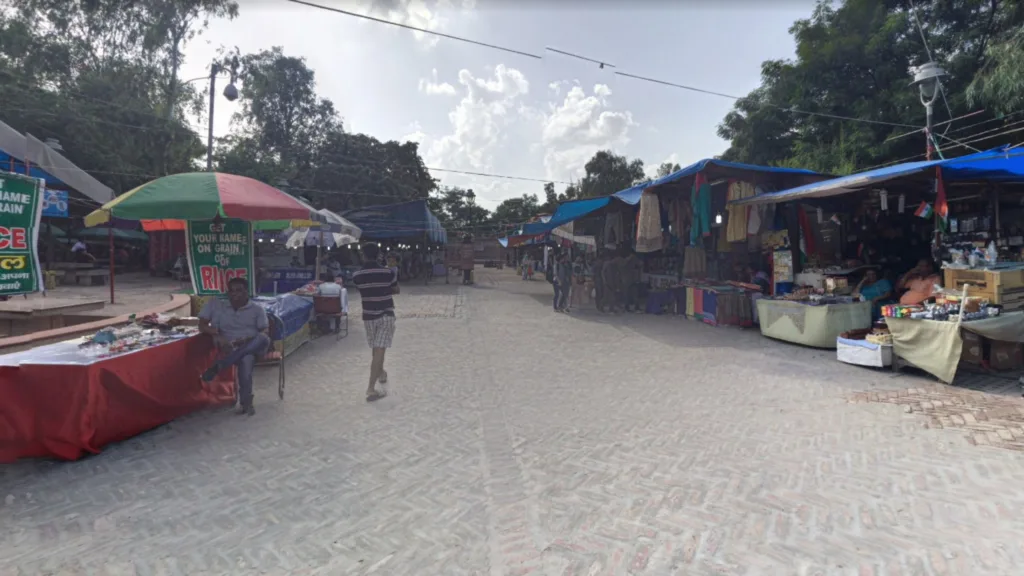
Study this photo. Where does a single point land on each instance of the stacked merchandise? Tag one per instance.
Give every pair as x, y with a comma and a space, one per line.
145, 332
865, 347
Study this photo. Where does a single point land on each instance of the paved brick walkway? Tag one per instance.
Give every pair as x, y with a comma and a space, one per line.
519, 441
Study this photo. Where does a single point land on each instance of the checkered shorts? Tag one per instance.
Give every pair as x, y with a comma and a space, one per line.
380, 331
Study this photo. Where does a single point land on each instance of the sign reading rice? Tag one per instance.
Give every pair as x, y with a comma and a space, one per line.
20, 209
219, 251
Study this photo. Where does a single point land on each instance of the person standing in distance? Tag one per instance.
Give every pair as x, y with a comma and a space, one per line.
377, 285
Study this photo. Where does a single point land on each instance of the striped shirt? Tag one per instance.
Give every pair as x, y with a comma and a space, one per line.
376, 287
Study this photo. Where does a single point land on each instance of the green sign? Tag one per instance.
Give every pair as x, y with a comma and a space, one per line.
217, 252
21, 205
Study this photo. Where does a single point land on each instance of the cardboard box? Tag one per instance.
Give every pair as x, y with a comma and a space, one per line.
973, 350
1006, 355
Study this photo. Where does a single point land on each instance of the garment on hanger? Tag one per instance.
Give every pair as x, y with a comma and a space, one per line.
648, 229
694, 262
612, 230
738, 215
756, 215
700, 200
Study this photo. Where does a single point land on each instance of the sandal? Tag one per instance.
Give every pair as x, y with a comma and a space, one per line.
377, 395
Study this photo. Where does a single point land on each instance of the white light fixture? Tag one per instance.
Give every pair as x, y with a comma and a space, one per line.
271, 240
718, 218
928, 79
261, 239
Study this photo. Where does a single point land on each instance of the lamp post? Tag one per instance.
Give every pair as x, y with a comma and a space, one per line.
230, 93
928, 79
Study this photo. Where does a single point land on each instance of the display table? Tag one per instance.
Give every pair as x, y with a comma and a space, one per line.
935, 346
811, 325
56, 401
295, 313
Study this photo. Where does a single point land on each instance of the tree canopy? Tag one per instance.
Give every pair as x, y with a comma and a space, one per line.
852, 61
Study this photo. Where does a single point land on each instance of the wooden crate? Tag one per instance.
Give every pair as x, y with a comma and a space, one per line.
997, 286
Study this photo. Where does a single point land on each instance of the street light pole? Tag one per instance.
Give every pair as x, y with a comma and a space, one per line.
928, 79
214, 70
230, 93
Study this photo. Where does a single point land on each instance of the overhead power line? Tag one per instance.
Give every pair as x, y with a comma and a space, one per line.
602, 64
407, 27
577, 56
784, 108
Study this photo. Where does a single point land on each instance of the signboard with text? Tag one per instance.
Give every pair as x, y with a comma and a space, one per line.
219, 251
55, 203
20, 210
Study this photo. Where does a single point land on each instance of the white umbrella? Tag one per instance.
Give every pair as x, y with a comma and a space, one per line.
337, 232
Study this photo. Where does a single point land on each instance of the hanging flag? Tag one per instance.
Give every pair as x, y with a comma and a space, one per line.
941, 207
902, 204
884, 199
924, 210
821, 217
835, 219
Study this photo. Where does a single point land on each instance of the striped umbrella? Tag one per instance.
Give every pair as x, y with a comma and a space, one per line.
203, 196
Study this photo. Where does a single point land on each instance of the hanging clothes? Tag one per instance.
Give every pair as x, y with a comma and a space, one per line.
736, 227
807, 244
613, 230
700, 200
648, 229
694, 262
756, 215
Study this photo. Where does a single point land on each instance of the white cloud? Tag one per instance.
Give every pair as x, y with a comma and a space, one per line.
423, 14
433, 87
416, 134
574, 130
479, 120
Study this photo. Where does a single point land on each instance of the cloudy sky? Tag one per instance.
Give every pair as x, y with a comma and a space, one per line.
480, 109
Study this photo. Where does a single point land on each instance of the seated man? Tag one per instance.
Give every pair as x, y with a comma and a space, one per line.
919, 283
239, 328
330, 286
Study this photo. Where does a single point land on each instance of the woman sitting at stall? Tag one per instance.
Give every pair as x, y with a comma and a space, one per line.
919, 283
875, 290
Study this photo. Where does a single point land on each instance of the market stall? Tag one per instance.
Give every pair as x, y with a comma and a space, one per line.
69, 399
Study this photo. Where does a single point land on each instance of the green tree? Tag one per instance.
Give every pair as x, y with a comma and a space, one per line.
458, 211
666, 168
608, 173
517, 210
281, 114
852, 61
94, 75
1000, 84
551, 199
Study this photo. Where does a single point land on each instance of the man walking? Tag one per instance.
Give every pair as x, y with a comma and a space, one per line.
377, 285
239, 329
563, 283
597, 274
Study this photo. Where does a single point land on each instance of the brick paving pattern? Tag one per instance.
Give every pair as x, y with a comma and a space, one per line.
519, 441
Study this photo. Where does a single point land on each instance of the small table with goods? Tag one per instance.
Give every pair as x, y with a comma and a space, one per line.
932, 337
71, 398
811, 319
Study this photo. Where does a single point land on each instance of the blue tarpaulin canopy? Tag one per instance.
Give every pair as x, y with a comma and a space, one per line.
576, 209
405, 221
1000, 164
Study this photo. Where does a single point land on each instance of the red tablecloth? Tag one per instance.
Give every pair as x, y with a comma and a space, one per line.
66, 411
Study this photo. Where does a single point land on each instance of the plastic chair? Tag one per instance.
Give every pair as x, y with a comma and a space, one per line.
329, 308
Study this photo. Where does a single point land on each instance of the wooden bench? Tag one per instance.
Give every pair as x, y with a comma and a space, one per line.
97, 276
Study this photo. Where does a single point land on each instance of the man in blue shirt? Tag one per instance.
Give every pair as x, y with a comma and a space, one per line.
239, 328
